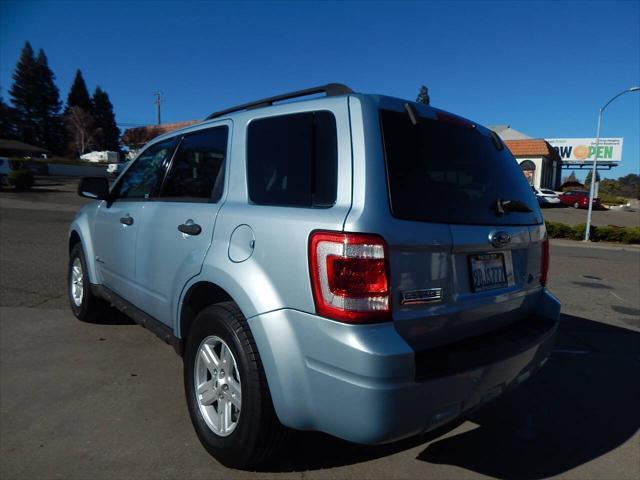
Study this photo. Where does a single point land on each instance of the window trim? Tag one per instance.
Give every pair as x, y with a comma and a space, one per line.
158, 196
289, 114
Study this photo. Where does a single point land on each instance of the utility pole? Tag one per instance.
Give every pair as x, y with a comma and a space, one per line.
157, 102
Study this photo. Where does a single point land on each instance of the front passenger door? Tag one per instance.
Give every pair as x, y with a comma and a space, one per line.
118, 219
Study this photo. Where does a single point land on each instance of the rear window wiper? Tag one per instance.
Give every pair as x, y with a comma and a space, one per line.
506, 206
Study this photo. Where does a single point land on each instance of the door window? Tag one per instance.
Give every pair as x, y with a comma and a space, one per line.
142, 177
197, 170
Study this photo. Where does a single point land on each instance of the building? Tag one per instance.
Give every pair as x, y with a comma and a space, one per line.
14, 148
540, 162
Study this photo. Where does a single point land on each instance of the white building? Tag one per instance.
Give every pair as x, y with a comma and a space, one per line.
540, 162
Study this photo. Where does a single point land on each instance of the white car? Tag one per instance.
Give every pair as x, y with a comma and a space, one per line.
117, 168
546, 197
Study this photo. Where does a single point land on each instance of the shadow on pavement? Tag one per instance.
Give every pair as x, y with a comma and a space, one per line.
110, 316
583, 404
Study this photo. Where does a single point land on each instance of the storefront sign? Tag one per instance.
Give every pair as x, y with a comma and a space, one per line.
581, 150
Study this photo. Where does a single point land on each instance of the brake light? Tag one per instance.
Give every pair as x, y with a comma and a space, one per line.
544, 267
349, 276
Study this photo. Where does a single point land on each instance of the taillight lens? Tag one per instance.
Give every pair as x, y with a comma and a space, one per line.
544, 264
349, 276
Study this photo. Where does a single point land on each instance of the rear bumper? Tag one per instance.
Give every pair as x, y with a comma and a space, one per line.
365, 384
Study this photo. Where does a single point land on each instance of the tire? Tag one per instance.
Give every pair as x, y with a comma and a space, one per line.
84, 305
251, 432
576, 205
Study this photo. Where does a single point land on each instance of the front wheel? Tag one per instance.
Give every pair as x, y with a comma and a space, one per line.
226, 389
84, 305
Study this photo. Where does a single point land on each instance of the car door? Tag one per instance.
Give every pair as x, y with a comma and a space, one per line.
178, 224
118, 219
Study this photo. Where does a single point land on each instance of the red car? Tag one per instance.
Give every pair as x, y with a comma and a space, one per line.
578, 199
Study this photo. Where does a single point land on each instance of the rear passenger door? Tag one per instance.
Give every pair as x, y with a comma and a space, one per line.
178, 223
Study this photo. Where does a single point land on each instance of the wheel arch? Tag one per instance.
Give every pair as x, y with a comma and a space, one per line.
78, 234
197, 297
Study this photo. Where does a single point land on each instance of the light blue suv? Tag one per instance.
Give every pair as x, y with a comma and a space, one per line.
356, 264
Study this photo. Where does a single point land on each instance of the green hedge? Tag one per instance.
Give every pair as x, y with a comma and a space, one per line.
21, 179
598, 234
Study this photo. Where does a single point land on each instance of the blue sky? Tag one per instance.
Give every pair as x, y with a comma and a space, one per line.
542, 67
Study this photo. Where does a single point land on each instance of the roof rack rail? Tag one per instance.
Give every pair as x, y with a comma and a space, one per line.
331, 90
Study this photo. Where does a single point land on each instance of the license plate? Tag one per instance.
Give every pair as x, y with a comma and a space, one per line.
487, 271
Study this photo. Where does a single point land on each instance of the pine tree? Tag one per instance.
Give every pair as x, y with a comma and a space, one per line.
8, 121
423, 96
108, 133
587, 180
37, 101
50, 131
78, 95
24, 95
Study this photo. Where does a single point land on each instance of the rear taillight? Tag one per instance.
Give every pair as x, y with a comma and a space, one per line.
544, 264
349, 276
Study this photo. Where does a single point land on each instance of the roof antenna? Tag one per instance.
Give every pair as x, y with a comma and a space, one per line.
412, 113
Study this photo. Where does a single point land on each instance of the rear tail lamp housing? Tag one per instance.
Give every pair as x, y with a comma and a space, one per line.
350, 276
544, 263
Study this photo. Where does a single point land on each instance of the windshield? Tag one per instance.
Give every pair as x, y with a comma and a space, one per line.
448, 172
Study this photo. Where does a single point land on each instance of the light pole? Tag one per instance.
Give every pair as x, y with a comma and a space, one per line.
595, 159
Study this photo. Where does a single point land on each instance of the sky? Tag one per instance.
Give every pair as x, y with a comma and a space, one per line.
545, 68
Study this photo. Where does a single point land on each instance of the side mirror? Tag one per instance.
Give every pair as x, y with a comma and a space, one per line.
94, 187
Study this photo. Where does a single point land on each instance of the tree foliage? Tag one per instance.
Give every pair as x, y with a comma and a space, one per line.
587, 180
627, 186
36, 101
78, 94
80, 126
423, 96
8, 121
107, 132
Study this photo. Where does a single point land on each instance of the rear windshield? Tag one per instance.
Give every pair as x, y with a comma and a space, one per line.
446, 171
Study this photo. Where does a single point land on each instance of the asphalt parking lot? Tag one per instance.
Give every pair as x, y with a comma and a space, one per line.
105, 400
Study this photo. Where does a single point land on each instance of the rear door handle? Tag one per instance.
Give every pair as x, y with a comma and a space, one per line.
190, 228
126, 220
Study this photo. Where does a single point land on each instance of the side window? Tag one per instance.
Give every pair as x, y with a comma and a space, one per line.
142, 176
292, 160
197, 170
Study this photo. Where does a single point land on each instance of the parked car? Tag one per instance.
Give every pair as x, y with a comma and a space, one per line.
578, 199
311, 277
117, 168
546, 197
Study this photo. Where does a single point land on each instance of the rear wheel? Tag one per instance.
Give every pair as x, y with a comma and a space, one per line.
84, 305
226, 389
576, 205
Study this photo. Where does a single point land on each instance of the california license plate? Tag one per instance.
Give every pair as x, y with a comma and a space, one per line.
487, 271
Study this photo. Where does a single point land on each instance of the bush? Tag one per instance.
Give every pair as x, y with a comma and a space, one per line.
631, 235
577, 232
609, 233
609, 199
21, 179
559, 230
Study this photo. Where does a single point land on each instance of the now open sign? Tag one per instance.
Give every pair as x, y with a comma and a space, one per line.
577, 150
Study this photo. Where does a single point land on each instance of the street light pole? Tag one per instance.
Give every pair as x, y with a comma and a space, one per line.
595, 160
